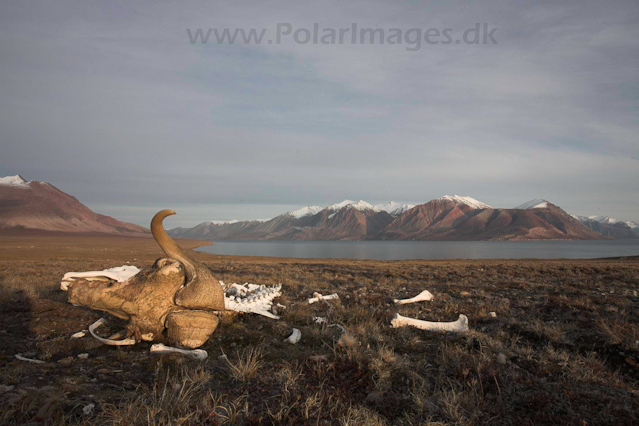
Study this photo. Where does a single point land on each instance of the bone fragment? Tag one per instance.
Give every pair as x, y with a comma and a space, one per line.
295, 336
460, 326
197, 354
123, 342
79, 334
83, 356
421, 297
493, 314
317, 297
34, 361
87, 410
119, 274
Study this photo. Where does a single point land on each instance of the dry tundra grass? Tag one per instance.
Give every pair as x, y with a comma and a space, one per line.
563, 348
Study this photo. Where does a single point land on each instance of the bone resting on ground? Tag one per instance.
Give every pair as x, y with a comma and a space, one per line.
459, 326
111, 342
421, 297
295, 336
119, 274
317, 297
33, 361
252, 298
197, 354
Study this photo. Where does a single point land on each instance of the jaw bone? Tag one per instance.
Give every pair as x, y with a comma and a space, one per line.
421, 297
197, 354
460, 326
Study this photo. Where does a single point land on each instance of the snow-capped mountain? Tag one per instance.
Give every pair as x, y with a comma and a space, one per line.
16, 180
609, 226
223, 222
533, 204
604, 219
359, 205
612, 221
306, 211
393, 208
469, 201
451, 217
30, 206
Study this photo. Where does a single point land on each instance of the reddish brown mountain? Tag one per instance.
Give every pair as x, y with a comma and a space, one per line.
446, 218
40, 206
344, 223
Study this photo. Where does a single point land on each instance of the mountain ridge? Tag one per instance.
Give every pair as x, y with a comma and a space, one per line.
31, 206
444, 218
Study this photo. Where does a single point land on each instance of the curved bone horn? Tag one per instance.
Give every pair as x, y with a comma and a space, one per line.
170, 247
98, 323
201, 290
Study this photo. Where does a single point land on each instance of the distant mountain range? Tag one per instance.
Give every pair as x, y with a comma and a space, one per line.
610, 227
30, 206
445, 218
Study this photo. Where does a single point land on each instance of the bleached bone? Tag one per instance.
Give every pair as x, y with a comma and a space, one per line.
322, 320
317, 297
252, 298
87, 410
295, 336
421, 297
34, 361
197, 354
78, 335
119, 274
460, 326
123, 342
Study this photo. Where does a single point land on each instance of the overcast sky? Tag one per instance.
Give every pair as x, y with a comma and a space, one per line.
112, 102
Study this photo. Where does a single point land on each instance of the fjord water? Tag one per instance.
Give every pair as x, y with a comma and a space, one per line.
399, 250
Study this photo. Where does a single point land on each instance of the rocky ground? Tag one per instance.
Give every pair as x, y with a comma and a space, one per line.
562, 349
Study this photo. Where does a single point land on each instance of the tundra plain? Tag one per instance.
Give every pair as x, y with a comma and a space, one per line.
563, 347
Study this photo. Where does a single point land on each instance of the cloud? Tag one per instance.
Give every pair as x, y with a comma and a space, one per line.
113, 104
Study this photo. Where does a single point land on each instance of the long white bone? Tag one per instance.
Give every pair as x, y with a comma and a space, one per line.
317, 297
424, 296
123, 342
460, 326
119, 274
34, 361
197, 354
295, 336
